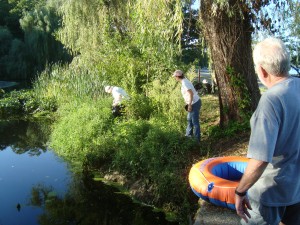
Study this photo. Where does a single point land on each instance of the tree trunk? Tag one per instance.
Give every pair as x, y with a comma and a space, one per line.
229, 41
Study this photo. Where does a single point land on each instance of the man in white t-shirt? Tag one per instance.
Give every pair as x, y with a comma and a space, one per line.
193, 105
118, 95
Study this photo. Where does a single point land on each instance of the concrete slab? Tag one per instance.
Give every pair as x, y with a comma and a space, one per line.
209, 214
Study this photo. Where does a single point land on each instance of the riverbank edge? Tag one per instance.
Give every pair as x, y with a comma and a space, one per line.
205, 213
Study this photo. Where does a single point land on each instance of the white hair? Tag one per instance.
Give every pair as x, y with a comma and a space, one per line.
272, 55
106, 88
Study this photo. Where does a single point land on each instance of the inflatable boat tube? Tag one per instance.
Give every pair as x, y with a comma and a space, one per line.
215, 179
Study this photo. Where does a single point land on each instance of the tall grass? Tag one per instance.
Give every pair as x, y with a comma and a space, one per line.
65, 83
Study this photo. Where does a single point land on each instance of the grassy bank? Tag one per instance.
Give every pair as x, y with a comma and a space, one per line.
151, 155
145, 151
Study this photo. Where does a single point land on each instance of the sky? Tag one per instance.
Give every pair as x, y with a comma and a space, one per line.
284, 29
196, 4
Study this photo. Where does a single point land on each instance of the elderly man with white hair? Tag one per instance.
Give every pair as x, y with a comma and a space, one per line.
269, 190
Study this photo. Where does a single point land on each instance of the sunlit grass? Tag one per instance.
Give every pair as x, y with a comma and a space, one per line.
210, 112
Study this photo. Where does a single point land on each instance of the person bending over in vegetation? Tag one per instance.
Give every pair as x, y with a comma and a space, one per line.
271, 178
118, 95
193, 104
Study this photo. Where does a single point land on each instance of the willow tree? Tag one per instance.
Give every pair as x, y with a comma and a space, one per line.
39, 24
227, 27
295, 32
129, 41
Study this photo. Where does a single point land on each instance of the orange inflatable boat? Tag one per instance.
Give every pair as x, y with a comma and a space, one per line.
215, 179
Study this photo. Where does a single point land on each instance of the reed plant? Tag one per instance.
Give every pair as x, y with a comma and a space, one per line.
68, 83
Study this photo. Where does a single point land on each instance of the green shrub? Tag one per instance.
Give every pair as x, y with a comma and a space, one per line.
231, 129
154, 151
17, 103
24, 103
167, 99
77, 131
139, 107
129, 136
10, 106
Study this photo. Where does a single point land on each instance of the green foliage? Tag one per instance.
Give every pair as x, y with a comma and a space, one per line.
9, 54
31, 44
4, 11
139, 107
10, 106
21, 6
241, 92
39, 25
17, 103
231, 130
154, 151
23, 103
5, 40
9, 19
14, 62
167, 99
192, 49
130, 43
82, 125
292, 27
64, 84
139, 148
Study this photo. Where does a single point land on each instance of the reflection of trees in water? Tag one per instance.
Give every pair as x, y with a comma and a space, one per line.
40, 194
24, 136
92, 202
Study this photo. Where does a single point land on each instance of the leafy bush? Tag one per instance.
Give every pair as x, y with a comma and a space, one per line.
167, 99
231, 129
10, 106
140, 149
139, 107
78, 128
23, 103
17, 103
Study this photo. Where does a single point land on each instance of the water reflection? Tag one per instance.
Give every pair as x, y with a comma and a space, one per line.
23, 136
36, 186
91, 202
18, 174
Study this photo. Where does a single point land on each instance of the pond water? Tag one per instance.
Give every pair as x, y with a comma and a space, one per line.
19, 175
26, 166
37, 187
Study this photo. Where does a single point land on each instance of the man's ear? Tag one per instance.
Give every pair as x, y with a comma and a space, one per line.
264, 72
